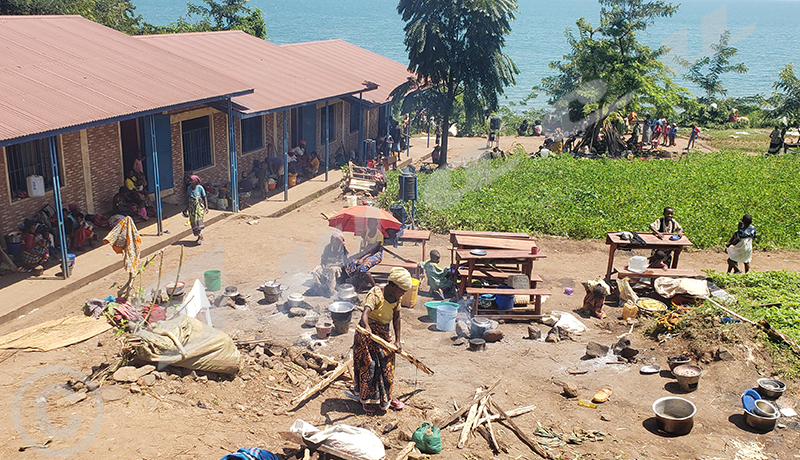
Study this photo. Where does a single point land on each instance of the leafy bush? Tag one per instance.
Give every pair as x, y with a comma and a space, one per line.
580, 198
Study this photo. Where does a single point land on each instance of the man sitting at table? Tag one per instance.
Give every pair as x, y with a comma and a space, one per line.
439, 279
666, 224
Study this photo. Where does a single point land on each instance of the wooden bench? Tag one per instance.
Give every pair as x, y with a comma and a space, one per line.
522, 313
414, 268
479, 273
653, 273
360, 178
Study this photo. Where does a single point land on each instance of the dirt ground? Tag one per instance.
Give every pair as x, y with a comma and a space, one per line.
208, 416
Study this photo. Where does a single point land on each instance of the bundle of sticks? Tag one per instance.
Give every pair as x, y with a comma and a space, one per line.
479, 413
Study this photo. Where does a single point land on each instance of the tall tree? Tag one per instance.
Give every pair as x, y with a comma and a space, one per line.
216, 15
707, 71
608, 69
117, 14
786, 100
455, 47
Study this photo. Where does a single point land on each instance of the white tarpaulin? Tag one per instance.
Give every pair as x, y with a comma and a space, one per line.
196, 301
670, 287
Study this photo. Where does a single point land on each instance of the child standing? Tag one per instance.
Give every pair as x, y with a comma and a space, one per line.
693, 137
673, 133
740, 246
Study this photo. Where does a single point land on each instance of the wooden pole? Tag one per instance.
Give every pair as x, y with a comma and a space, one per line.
321, 385
419, 365
530, 442
403, 454
465, 407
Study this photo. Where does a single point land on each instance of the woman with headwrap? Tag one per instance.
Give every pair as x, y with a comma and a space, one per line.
333, 259
197, 207
373, 365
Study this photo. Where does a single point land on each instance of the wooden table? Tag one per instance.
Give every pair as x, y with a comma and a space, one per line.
521, 236
417, 236
524, 259
653, 242
473, 242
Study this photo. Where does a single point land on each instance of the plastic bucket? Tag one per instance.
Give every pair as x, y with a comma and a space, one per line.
14, 249
270, 185
70, 260
504, 301
352, 200
292, 180
409, 299
446, 316
213, 280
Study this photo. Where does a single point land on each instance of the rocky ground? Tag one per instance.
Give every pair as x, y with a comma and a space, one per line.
171, 413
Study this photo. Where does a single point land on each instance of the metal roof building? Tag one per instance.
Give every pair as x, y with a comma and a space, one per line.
63, 73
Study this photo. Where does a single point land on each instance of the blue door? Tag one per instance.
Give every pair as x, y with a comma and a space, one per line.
309, 130
164, 144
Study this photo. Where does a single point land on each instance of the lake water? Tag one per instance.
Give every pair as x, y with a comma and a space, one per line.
764, 31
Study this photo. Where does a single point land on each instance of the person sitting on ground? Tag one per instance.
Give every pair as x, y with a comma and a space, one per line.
357, 266
657, 260
596, 292
329, 271
131, 181
32, 259
537, 128
28, 240
84, 231
439, 279
246, 187
310, 164
523, 128
776, 140
543, 151
740, 246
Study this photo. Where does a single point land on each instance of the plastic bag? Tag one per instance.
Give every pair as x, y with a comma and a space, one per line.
357, 442
626, 293
205, 348
428, 439
564, 320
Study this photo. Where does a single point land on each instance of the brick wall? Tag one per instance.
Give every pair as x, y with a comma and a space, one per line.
370, 121
105, 161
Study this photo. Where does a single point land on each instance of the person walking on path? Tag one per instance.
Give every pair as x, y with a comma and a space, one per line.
196, 207
740, 246
693, 137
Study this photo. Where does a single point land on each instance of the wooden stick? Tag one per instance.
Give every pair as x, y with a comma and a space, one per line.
321, 385
285, 390
465, 407
530, 442
493, 440
403, 454
481, 407
730, 312
473, 411
394, 349
493, 417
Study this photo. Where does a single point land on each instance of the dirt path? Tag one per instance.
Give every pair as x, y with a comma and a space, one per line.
165, 421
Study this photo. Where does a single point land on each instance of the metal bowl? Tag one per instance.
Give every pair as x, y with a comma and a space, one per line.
346, 291
765, 409
175, 290
675, 361
341, 312
652, 369
760, 423
296, 300
674, 415
771, 388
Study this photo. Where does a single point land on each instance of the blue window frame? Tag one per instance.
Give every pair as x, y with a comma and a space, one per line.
196, 143
252, 134
30, 158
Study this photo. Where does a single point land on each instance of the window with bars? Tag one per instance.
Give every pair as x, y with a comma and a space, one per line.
30, 159
354, 116
196, 143
331, 124
252, 134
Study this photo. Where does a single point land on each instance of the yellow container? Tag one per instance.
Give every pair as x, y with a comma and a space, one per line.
409, 299
292, 180
629, 310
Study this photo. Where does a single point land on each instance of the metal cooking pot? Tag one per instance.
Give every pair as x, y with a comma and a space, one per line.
272, 288
341, 312
346, 291
674, 415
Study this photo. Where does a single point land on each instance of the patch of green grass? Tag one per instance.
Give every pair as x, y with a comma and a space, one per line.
756, 143
759, 288
586, 198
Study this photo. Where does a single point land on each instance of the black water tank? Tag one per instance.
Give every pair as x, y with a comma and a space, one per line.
408, 187
494, 124
399, 213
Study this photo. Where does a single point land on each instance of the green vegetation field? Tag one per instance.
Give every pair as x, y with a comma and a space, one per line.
587, 198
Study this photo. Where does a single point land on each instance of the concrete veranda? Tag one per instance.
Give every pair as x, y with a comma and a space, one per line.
22, 293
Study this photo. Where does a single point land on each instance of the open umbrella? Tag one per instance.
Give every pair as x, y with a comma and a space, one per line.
355, 219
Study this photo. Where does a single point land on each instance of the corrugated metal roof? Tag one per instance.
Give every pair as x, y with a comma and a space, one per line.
388, 74
282, 78
60, 72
